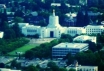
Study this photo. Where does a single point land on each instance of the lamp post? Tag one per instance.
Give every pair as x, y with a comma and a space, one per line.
19, 54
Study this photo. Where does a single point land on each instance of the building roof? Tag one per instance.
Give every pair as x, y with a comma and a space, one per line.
71, 45
94, 26
5, 69
31, 26
84, 38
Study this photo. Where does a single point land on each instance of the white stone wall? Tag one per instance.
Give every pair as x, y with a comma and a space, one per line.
94, 29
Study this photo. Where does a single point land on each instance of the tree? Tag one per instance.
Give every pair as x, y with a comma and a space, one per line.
9, 34
3, 20
86, 58
70, 58
2, 65
92, 45
29, 54
31, 68
36, 36
13, 63
66, 38
99, 46
18, 20
86, 19
19, 13
17, 30
42, 23
73, 2
53, 66
80, 19
62, 69
72, 69
101, 53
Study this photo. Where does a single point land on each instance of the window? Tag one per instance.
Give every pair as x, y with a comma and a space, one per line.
29, 30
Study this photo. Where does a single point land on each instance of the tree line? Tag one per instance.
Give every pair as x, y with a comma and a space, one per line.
8, 45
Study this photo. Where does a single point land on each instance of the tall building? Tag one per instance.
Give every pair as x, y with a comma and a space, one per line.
81, 68
94, 29
62, 49
54, 29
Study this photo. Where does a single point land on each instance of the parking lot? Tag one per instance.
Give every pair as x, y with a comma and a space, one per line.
5, 60
42, 63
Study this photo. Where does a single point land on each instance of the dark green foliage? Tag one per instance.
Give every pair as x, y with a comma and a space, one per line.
80, 19
92, 45
86, 58
31, 68
53, 66
62, 69
42, 51
70, 59
65, 38
8, 45
9, 34
29, 54
86, 19
72, 69
2, 65
17, 30
15, 64
3, 19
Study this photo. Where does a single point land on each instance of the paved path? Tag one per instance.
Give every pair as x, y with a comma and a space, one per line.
41, 40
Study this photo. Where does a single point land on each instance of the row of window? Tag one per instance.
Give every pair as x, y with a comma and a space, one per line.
64, 49
95, 29
31, 30
79, 69
64, 52
71, 31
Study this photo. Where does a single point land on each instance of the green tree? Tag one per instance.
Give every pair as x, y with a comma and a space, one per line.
9, 34
29, 54
42, 23
17, 30
70, 58
92, 45
86, 19
18, 20
62, 69
72, 69
66, 38
53, 66
86, 58
31, 68
13, 63
80, 19
36, 36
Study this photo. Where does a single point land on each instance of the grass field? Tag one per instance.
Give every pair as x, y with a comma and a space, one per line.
23, 49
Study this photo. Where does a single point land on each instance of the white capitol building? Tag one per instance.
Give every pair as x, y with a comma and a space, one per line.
54, 29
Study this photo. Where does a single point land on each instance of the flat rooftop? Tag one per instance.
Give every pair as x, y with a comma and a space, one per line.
71, 45
94, 26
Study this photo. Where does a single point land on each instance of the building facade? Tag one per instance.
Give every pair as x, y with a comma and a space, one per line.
53, 29
81, 68
83, 38
62, 49
94, 29
5, 69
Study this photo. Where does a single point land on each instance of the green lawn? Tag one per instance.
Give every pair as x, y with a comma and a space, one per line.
23, 49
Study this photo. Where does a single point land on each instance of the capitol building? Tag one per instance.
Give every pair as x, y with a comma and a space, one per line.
52, 30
